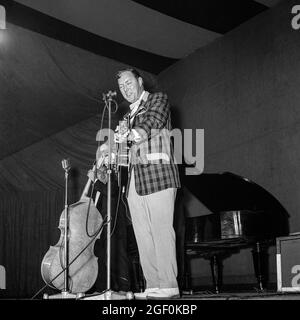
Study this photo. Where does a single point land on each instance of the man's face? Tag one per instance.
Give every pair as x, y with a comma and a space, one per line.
130, 87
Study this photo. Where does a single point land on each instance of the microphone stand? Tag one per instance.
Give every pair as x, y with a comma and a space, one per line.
65, 294
109, 294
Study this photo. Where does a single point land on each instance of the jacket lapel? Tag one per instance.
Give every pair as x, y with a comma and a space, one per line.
141, 109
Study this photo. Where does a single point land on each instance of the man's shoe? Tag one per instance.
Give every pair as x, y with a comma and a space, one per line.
127, 294
143, 295
164, 293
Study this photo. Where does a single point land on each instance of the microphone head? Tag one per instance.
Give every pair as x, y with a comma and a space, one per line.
66, 164
109, 94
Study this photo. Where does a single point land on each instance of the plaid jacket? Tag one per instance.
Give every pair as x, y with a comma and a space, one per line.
151, 159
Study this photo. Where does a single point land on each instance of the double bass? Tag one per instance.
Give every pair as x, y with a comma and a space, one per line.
84, 228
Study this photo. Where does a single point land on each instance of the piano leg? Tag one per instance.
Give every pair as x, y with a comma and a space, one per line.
257, 253
215, 265
187, 275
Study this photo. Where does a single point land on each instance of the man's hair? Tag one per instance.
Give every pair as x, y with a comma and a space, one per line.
132, 70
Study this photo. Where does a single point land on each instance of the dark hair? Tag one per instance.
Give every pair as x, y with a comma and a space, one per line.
132, 70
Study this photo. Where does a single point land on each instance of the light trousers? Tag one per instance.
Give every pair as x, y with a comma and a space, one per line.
152, 220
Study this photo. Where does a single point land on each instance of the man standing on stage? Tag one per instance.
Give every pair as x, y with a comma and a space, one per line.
152, 184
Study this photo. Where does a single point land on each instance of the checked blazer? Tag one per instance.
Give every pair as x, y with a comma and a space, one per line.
152, 159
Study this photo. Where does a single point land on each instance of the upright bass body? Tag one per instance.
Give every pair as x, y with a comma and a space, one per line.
83, 271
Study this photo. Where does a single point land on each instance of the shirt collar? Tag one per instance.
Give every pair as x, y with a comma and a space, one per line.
133, 107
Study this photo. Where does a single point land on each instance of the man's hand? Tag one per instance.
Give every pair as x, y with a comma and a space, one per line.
112, 159
91, 175
128, 135
120, 138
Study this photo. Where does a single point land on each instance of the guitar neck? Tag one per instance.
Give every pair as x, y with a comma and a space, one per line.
123, 149
123, 154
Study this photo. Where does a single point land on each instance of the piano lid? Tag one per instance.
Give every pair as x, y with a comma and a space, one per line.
228, 191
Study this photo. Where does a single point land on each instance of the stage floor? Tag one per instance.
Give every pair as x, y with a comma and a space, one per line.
228, 292
225, 295
267, 295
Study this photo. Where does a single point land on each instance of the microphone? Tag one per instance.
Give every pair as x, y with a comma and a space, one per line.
112, 93
109, 94
66, 164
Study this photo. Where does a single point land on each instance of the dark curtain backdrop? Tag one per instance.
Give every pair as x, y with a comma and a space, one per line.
28, 225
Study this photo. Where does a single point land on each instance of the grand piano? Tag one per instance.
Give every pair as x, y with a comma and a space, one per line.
243, 214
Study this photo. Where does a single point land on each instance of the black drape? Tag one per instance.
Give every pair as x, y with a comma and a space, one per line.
28, 226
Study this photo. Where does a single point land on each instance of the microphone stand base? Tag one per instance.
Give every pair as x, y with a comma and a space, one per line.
63, 295
109, 295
